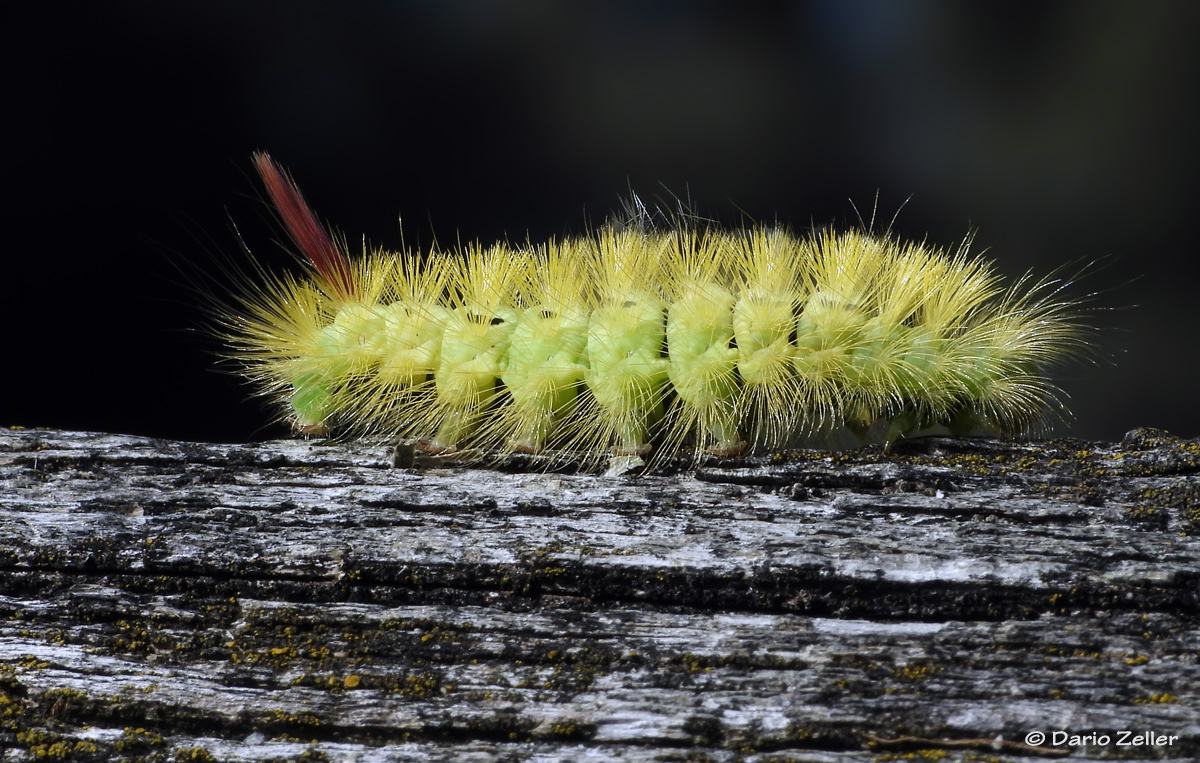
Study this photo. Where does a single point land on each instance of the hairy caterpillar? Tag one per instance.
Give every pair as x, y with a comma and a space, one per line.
689, 339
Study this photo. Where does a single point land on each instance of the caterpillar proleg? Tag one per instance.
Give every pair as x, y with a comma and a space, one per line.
636, 339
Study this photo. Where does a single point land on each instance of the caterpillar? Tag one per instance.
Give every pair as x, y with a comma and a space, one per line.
642, 341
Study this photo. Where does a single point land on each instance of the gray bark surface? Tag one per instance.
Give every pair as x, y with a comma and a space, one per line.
298, 600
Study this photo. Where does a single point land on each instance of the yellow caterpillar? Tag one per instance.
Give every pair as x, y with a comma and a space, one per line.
627, 340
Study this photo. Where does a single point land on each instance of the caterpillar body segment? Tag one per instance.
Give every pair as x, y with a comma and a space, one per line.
627, 365
628, 341
547, 355
771, 280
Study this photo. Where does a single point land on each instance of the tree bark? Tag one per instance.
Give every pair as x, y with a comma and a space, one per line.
298, 600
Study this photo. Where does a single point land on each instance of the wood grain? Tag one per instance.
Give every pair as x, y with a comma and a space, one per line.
298, 600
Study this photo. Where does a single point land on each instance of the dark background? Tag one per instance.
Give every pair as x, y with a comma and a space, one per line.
1062, 131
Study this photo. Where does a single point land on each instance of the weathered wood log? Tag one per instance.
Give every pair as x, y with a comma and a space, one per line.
300, 600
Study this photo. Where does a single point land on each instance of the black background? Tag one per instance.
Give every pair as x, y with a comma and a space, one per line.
1062, 131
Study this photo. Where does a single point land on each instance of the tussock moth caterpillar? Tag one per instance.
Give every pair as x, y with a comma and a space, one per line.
634, 338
